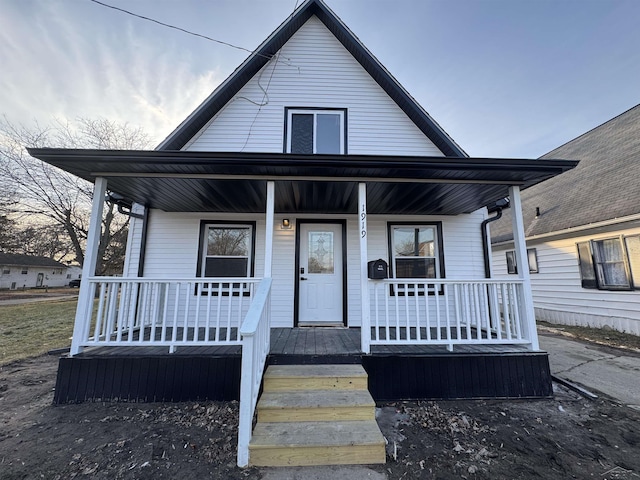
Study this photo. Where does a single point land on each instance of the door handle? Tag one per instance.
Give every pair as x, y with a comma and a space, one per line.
303, 278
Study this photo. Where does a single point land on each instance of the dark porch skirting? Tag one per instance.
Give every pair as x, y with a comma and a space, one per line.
148, 374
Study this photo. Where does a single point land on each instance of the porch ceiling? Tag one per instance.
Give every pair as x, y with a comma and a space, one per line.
236, 182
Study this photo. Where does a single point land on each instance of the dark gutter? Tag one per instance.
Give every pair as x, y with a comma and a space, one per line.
143, 241
252, 159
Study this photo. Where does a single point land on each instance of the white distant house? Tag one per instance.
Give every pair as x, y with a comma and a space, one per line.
261, 214
74, 272
583, 231
27, 271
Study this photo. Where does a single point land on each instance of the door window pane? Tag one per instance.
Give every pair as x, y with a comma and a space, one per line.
321, 252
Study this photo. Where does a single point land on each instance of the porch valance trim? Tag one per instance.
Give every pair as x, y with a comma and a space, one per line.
235, 182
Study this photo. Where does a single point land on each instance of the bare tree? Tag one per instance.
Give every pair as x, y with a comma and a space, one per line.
44, 195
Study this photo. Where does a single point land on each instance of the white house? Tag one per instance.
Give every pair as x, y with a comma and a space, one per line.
29, 271
583, 231
260, 214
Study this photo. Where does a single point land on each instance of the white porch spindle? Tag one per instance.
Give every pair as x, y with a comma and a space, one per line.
365, 327
522, 262
268, 241
84, 310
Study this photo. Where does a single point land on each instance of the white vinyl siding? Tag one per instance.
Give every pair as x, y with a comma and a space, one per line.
172, 251
134, 237
558, 295
314, 71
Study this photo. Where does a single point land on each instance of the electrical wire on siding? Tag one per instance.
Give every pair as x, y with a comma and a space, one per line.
265, 97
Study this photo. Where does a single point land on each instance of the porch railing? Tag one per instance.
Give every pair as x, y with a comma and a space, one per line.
447, 312
255, 333
163, 312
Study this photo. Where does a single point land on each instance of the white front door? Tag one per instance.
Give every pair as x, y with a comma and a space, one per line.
320, 275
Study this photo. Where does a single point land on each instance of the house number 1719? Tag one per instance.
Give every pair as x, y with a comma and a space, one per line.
363, 222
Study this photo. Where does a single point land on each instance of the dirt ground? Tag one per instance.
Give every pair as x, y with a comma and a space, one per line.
566, 437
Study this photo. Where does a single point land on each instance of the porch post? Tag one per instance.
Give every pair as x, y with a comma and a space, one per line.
365, 326
83, 311
268, 240
522, 261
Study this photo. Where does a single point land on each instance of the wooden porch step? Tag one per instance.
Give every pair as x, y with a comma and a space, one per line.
316, 415
314, 377
316, 406
317, 443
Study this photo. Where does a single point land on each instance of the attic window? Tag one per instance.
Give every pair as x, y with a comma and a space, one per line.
310, 131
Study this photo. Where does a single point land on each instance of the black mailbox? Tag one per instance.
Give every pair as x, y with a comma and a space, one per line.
378, 269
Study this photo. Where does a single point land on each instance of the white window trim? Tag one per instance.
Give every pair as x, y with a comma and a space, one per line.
315, 113
437, 246
205, 241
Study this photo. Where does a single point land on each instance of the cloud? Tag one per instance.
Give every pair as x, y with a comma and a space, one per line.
59, 62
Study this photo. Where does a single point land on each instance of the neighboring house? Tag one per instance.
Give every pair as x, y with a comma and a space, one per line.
583, 231
74, 272
27, 271
260, 214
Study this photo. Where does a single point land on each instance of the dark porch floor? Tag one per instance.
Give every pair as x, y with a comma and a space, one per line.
138, 373
306, 341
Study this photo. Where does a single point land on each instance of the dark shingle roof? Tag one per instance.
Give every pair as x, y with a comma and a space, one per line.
28, 261
605, 184
226, 91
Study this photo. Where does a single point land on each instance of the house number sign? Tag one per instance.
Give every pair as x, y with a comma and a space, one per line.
363, 221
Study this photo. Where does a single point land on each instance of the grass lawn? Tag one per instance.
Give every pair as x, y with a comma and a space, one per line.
603, 336
32, 329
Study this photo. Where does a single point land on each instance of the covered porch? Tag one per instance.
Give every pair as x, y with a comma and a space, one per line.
458, 310
203, 337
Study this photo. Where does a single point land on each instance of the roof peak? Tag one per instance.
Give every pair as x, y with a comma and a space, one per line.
225, 92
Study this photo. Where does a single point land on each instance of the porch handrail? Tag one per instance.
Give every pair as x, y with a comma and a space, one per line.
169, 312
255, 333
449, 312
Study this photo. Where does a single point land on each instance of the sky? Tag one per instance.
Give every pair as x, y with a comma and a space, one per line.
504, 78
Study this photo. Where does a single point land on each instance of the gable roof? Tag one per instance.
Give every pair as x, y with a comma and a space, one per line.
604, 185
252, 65
28, 261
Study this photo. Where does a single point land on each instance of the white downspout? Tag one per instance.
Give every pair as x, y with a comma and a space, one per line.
83, 312
522, 261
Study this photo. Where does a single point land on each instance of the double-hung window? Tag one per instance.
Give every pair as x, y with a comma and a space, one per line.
226, 250
610, 263
532, 258
310, 131
415, 251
